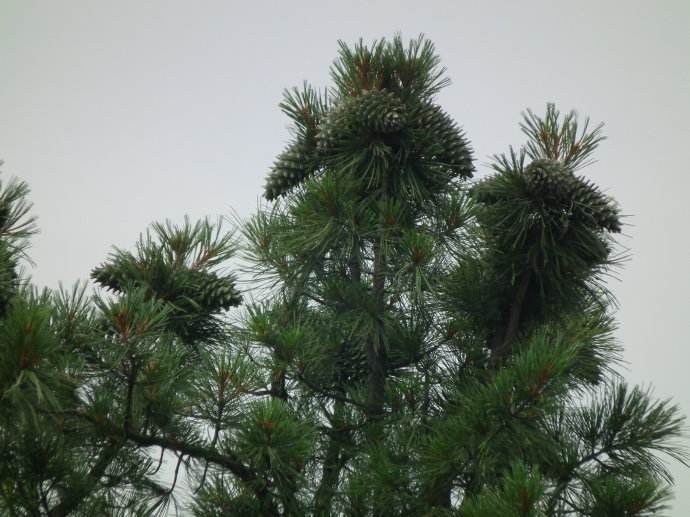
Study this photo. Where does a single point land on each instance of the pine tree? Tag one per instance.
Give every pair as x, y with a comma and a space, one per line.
405, 340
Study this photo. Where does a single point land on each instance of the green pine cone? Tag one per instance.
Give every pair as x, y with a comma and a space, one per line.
379, 110
291, 167
351, 362
591, 205
207, 289
218, 293
442, 140
110, 276
340, 123
550, 180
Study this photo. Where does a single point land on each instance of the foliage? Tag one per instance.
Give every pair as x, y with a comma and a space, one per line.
412, 342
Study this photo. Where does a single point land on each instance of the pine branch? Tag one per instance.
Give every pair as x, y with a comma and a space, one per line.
226, 460
78, 493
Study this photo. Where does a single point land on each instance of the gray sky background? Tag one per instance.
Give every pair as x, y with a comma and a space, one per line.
122, 113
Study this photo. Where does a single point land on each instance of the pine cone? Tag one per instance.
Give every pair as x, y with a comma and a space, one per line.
379, 110
351, 362
550, 180
110, 276
218, 293
291, 167
442, 140
341, 123
207, 289
595, 207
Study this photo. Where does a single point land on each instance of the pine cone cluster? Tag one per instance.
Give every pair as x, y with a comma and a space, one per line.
375, 121
436, 137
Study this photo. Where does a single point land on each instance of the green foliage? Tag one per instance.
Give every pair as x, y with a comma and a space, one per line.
220, 498
30, 352
274, 442
178, 266
411, 343
16, 227
626, 429
622, 496
519, 495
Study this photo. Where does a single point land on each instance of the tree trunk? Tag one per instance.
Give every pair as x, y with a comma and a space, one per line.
375, 346
332, 465
508, 327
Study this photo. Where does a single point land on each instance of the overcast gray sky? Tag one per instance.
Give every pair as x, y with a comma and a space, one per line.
125, 112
